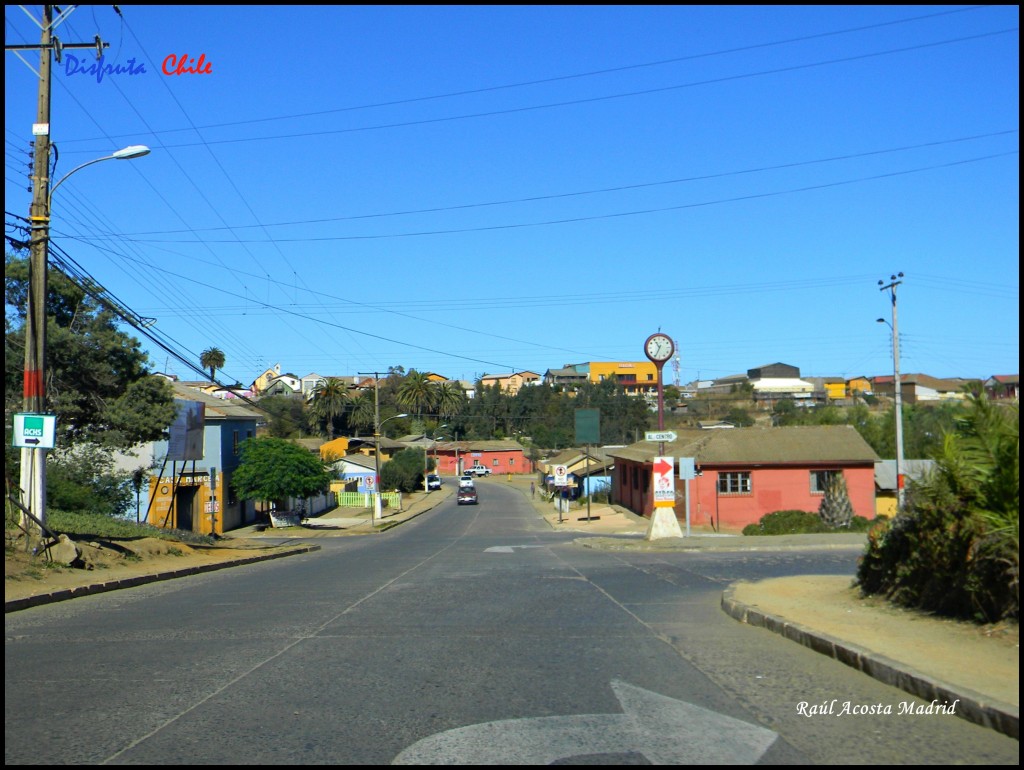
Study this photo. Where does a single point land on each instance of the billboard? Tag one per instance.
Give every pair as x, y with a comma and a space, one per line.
186, 432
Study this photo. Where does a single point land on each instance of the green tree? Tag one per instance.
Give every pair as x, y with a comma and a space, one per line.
212, 359
286, 415
92, 366
404, 471
329, 404
273, 470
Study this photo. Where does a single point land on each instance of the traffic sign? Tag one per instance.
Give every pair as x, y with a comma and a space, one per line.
34, 431
664, 482
660, 435
561, 476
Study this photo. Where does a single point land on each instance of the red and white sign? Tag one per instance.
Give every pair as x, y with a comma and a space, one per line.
561, 476
370, 483
664, 482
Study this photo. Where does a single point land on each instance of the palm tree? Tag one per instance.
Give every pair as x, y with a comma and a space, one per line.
330, 398
416, 392
212, 359
363, 411
449, 398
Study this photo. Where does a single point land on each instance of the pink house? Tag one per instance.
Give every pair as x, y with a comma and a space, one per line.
745, 473
501, 456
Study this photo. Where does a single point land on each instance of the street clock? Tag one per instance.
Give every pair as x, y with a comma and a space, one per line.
659, 348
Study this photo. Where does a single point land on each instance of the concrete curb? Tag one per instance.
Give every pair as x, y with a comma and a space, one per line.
973, 706
639, 543
113, 585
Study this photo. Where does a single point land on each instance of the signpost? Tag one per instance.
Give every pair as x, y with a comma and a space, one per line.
659, 348
660, 435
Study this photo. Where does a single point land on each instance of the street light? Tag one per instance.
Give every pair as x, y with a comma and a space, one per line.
33, 461
376, 514
898, 397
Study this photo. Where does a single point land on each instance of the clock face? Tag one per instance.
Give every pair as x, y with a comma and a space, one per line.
659, 347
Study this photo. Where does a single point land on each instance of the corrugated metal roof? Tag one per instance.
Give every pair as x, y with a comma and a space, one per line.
216, 408
796, 444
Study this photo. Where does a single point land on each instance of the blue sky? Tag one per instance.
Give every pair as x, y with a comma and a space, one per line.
472, 190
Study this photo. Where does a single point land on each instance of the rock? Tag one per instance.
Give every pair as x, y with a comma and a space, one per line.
65, 552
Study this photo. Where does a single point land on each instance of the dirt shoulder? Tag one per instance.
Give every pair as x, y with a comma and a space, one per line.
108, 560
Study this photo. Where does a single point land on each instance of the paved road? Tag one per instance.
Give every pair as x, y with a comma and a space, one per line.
469, 634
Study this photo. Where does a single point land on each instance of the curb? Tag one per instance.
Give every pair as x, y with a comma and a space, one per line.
637, 542
113, 585
976, 708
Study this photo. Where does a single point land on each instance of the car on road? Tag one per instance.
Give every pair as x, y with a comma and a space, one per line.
468, 496
479, 470
465, 480
433, 481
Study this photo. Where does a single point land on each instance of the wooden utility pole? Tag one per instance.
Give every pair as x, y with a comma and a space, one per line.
33, 460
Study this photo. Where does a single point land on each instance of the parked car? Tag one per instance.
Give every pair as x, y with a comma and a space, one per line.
467, 496
465, 480
433, 481
479, 470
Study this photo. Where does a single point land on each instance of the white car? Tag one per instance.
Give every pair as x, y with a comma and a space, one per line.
465, 481
479, 470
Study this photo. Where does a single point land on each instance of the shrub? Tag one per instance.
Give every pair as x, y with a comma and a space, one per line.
786, 523
836, 511
954, 548
800, 523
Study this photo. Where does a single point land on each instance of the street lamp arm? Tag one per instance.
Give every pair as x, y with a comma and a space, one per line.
135, 151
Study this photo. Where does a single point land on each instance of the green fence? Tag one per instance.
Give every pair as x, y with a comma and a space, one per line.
391, 500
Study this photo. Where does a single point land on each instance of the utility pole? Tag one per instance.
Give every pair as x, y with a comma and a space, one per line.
33, 461
898, 397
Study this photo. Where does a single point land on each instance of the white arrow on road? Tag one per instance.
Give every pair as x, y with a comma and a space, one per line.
664, 730
509, 548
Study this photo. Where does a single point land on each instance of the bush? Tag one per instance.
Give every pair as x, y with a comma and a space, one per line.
954, 549
786, 523
799, 523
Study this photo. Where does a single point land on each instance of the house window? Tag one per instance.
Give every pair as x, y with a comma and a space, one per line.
821, 479
737, 483
234, 440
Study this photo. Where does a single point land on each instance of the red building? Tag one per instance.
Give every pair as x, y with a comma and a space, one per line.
505, 456
745, 473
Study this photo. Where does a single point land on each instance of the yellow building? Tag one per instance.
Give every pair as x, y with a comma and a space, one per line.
635, 377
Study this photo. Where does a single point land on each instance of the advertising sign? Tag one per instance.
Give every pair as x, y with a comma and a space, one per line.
186, 432
34, 431
664, 482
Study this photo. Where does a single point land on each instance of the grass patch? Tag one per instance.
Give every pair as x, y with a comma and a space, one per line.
97, 525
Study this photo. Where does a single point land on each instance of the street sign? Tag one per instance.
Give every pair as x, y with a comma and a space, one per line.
687, 467
660, 435
34, 431
370, 483
664, 482
561, 476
